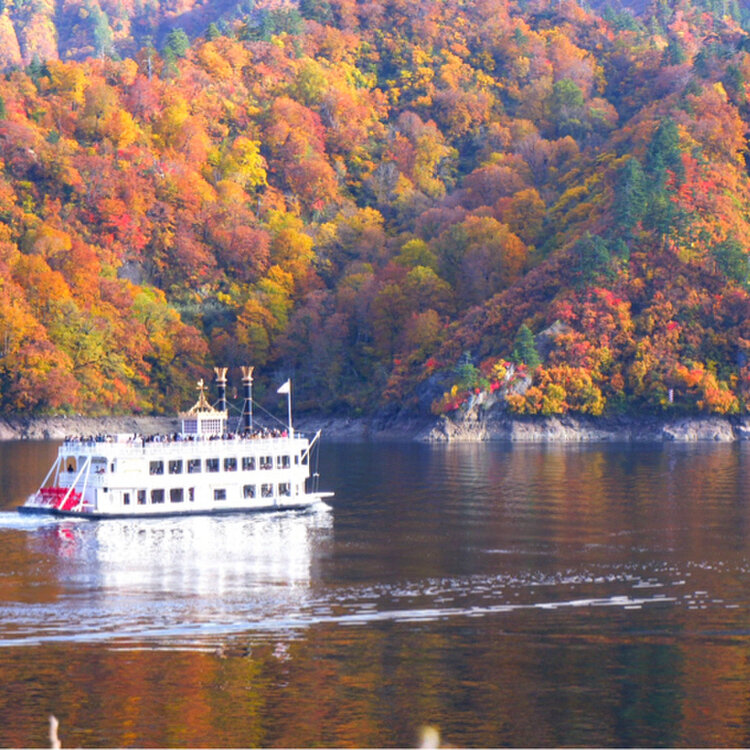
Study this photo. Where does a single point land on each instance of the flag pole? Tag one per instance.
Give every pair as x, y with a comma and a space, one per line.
287, 388
289, 407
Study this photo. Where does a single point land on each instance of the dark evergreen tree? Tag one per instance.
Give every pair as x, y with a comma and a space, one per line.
467, 372
36, 70
524, 348
734, 83
101, 32
170, 69
568, 109
664, 153
674, 54
592, 260
663, 162
630, 194
178, 43
732, 260
280, 20
701, 63
317, 10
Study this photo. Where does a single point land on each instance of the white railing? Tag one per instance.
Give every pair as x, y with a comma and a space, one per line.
138, 448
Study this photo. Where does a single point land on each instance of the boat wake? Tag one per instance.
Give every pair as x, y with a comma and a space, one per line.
16, 520
194, 583
271, 604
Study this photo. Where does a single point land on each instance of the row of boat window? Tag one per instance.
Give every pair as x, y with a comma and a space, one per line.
195, 465
179, 494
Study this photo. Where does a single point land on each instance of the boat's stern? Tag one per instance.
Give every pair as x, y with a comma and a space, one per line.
55, 500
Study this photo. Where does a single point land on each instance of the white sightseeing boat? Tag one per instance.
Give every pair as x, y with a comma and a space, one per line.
203, 469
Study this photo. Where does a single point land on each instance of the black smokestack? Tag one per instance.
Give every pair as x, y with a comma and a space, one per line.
247, 405
221, 385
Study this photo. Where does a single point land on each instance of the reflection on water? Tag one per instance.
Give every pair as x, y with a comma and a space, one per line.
520, 595
178, 578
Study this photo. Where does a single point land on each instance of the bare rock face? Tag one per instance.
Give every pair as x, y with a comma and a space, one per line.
482, 421
447, 430
742, 428
532, 430
560, 430
56, 428
472, 425
716, 429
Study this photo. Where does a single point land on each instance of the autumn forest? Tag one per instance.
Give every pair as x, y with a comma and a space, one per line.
399, 205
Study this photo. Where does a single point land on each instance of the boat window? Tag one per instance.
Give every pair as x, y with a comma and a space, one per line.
220, 494
157, 496
248, 463
175, 467
230, 464
126, 498
248, 491
283, 462
194, 466
285, 489
305, 458
70, 463
191, 494
212, 464
211, 426
156, 467
266, 462
266, 490
141, 497
296, 460
176, 495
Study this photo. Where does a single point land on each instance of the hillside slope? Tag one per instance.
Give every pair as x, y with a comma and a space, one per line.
396, 204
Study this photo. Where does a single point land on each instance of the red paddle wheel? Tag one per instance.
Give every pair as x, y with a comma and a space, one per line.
54, 497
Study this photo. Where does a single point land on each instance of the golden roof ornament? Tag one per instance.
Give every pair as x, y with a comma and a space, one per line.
201, 406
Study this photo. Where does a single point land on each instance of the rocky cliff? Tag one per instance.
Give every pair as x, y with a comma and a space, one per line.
56, 428
472, 425
476, 424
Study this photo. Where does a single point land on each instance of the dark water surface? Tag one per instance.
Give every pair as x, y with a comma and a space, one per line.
506, 595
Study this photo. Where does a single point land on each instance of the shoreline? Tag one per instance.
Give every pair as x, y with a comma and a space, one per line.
56, 428
471, 427
474, 427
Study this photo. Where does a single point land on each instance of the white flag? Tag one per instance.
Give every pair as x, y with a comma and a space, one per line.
285, 388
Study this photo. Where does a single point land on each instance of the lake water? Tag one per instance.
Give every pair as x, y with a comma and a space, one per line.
503, 595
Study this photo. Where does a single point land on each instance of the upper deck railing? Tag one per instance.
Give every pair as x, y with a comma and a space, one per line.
178, 445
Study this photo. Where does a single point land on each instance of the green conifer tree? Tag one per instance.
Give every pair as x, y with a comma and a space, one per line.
664, 153
591, 260
630, 194
732, 260
524, 348
674, 54
178, 43
101, 32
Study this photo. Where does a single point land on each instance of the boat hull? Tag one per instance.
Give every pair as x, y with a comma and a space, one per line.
95, 516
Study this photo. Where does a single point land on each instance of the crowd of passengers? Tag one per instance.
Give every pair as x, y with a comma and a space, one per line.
178, 437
